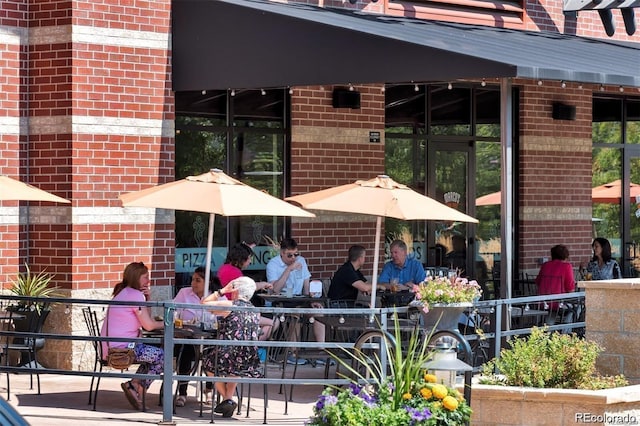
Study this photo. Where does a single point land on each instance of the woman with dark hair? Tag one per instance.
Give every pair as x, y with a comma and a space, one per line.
239, 258
126, 321
602, 266
556, 275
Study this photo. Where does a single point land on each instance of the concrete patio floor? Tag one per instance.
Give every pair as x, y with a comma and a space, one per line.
64, 401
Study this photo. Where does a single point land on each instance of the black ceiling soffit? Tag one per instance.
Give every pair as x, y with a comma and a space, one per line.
222, 44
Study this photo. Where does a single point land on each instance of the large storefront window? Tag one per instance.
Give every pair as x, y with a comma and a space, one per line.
616, 167
446, 140
245, 134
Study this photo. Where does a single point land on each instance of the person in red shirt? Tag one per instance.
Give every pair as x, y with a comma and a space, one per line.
239, 258
556, 277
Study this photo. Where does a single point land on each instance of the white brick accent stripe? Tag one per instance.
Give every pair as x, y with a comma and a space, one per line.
124, 215
101, 126
83, 34
12, 35
12, 125
120, 37
88, 125
61, 215
121, 126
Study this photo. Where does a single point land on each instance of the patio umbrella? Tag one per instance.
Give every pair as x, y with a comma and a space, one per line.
609, 193
11, 189
380, 197
213, 192
612, 192
489, 199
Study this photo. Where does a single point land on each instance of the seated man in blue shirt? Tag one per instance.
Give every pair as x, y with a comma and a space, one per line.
406, 271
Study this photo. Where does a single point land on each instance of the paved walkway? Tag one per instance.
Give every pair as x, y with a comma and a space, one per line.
64, 402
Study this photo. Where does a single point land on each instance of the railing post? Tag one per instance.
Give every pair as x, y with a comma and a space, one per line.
167, 376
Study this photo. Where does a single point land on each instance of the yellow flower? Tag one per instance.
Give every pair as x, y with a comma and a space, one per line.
450, 403
426, 393
406, 395
440, 391
457, 395
430, 378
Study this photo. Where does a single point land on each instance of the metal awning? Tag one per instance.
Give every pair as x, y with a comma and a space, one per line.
221, 44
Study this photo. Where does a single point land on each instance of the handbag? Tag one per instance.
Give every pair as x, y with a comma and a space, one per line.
119, 358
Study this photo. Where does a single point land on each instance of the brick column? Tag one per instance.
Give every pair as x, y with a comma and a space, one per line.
330, 147
97, 120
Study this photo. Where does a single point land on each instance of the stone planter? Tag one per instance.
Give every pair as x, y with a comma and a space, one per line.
508, 406
444, 316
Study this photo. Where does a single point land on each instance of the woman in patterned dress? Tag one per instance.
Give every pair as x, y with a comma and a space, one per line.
231, 360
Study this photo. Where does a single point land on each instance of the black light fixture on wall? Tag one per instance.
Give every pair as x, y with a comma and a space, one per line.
562, 111
346, 97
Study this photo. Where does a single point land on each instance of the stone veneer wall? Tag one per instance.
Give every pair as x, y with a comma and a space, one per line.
613, 321
509, 406
68, 319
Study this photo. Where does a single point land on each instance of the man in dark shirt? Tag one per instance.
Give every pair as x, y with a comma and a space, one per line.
348, 280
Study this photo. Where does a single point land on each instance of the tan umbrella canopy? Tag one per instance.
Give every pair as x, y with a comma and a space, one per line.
11, 189
610, 193
213, 192
381, 197
489, 199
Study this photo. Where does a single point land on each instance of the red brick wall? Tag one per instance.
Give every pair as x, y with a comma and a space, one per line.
323, 163
12, 146
554, 180
113, 84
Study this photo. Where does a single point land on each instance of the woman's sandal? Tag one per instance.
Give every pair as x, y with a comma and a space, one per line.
208, 397
132, 394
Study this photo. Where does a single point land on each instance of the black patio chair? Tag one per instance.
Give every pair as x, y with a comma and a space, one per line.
28, 323
93, 326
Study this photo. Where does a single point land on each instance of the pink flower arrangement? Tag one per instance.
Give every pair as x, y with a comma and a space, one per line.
443, 290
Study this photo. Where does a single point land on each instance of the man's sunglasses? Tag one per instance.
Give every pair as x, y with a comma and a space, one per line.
290, 255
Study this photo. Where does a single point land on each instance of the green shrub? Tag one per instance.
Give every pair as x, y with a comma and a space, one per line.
549, 360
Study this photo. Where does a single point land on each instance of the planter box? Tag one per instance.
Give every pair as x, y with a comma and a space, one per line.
506, 406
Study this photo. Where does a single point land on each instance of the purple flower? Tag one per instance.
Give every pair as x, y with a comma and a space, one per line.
355, 389
418, 415
325, 400
359, 391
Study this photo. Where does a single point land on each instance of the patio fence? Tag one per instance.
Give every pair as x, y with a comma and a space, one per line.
498, 310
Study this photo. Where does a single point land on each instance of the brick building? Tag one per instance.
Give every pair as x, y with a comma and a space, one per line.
89, 111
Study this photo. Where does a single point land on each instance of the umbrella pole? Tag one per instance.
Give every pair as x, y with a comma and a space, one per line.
376, 255
207, 267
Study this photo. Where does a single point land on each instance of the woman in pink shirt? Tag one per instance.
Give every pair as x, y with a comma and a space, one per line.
239, 258
126, 321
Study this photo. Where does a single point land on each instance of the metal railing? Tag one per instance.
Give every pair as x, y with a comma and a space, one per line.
498, 310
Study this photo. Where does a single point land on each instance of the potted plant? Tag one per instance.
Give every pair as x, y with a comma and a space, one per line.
29, 284
443, 299
403, 395
33, 314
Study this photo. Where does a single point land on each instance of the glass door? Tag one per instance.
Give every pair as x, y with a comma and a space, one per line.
451, 244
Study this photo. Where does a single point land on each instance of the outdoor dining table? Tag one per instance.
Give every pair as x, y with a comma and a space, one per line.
522, 316
187, 331
286, 301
